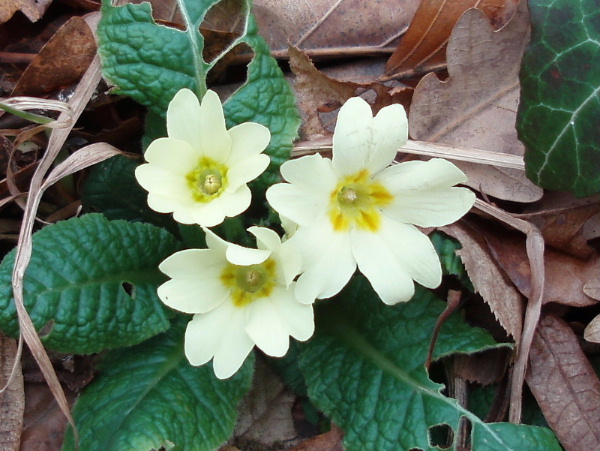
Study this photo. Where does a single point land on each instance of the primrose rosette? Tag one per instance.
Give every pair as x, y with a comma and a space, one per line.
240, 297
359, 210
200, 172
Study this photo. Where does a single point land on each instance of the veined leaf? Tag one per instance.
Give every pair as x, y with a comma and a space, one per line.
365, 369
149, 397
91, 284
560, 96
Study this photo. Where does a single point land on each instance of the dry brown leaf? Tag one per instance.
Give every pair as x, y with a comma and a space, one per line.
61, 62
592, 289
265, 413
320, 96
569, 226
329, 441
12, 399
566, 276
503, 298
33, 9
333, 25
592, 331
476, 106
565, 385
423, 47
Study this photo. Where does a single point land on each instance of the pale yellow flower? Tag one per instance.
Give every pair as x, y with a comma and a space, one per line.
200, 172
357, 210
241, 297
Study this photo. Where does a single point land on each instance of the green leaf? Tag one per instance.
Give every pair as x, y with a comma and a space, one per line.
112, 189
268, 99
560, 96
149, 396
365, 369
91, 284
446, 248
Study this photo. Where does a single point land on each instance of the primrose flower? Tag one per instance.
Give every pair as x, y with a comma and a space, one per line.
357, 210
240, 297
199, 173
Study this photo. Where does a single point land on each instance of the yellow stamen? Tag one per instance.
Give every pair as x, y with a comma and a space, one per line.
248, 283
207, 180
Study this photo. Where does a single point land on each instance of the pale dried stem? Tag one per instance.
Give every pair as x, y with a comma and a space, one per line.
470, 155
535, 255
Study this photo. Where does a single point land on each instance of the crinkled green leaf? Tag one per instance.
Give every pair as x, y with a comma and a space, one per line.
560, 96
446, 248
91, 284
266, 98
149, 396
112, 189
365, 369
150, 63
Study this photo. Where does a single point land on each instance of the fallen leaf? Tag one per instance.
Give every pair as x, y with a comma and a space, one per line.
423, 47
33, 9
592, 331
565, 385
61, 62
566, 276
320, 96
592, 289
503, 298
476, 106
265, 414
569, 225
329, 441
12, 400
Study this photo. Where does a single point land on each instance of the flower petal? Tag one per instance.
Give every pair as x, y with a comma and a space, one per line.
352, 137
266, 238
243, 256
312, 173
174, 155
431, 208
394, 255
191, 262
246, 170
247, 139
193, 295
297, 204
215, 142
389, 132
420, 175
327, 259
289, 262
183, 115
298, 317
266, 328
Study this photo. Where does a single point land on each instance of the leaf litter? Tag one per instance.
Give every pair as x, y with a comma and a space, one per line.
485, 97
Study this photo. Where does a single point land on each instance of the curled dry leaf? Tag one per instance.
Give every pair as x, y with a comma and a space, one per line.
566, 276
503, 298
33, 10
320, 96
423, 47
476, 106
12, 399
61, 62
592, 331
565, 385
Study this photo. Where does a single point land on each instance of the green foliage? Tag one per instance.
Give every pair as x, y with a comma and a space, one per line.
112, 189
364, 368
150, 63
148, 397
91, 284
560, 96
446, 248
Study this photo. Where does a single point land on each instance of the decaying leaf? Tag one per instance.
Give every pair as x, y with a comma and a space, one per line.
566, 276
61, 62
592, 331
329, 441
565, 385
12, 399
423, 47
503, 298
476, 106
33, 9
320, 96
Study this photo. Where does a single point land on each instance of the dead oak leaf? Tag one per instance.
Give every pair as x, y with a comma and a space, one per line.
565, 385
33, 9
476, 106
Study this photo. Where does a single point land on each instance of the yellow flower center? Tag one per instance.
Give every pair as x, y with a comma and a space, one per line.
248, 283
357, 200
207, 180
